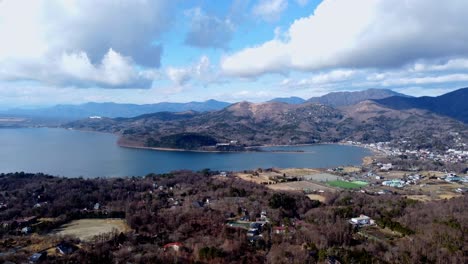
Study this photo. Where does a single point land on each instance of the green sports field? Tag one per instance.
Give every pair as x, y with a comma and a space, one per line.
347, 185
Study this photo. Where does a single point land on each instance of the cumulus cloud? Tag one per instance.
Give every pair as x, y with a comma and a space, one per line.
76, 69
360, 34
332, 78
208, 31
83, 43
202, 71
270, 10
451, 64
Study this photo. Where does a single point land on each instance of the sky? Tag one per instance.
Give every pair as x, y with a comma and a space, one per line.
142, 51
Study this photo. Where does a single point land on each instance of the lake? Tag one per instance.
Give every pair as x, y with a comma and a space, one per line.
73, 153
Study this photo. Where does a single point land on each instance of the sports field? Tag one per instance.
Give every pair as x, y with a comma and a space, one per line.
347, 185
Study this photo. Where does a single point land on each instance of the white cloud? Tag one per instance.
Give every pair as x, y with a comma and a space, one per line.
114, 70
180, 76
202, 71
326, 79
360, 34
76, 69
82, 42
270, 10
447, 78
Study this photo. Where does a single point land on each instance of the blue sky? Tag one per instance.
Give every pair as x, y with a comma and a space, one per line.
138, 51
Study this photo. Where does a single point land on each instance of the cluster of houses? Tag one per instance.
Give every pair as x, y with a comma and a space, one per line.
450, 155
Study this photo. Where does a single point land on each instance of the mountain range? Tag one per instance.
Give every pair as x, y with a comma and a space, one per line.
273, 123
112, 110
73, 112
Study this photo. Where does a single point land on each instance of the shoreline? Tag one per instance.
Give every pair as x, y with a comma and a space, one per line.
375, 152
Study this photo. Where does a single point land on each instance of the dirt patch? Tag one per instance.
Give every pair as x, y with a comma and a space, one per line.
321, 177
317, 197
86, 229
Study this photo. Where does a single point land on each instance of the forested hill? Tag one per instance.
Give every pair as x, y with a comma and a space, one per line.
250, 124
454, 104
337, 99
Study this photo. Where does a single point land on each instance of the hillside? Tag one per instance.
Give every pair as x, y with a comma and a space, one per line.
250, 124
452, 104
337, 99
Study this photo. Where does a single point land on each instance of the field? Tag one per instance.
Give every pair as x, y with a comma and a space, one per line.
86, 229
300, 186
321, 177
347, 185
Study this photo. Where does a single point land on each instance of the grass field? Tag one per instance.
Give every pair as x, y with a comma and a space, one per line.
86, 229
347, 185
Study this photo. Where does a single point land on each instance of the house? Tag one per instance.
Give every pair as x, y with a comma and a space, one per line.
386, 167
176, 246
280, 230
394, 183
38, 257
26, 230
223, 174
263, 216
253, 232
66, 248
362, 220
97, 206
453, 178
383, 192
462, 190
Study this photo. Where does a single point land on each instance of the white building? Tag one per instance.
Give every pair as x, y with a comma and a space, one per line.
362, 220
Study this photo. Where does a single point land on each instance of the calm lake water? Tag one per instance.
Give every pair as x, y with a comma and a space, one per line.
74, 153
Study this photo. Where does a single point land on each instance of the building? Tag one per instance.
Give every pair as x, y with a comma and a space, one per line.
394, 183
453, 178
362, 220
176, 246
38, 257
66, 248
280, 230
386, 167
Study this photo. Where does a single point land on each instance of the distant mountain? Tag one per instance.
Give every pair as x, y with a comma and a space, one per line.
272, 123
288, 100
115, 110
337, 99
454, 104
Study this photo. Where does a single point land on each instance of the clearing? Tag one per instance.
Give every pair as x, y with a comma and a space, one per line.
317, 197
86, 229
